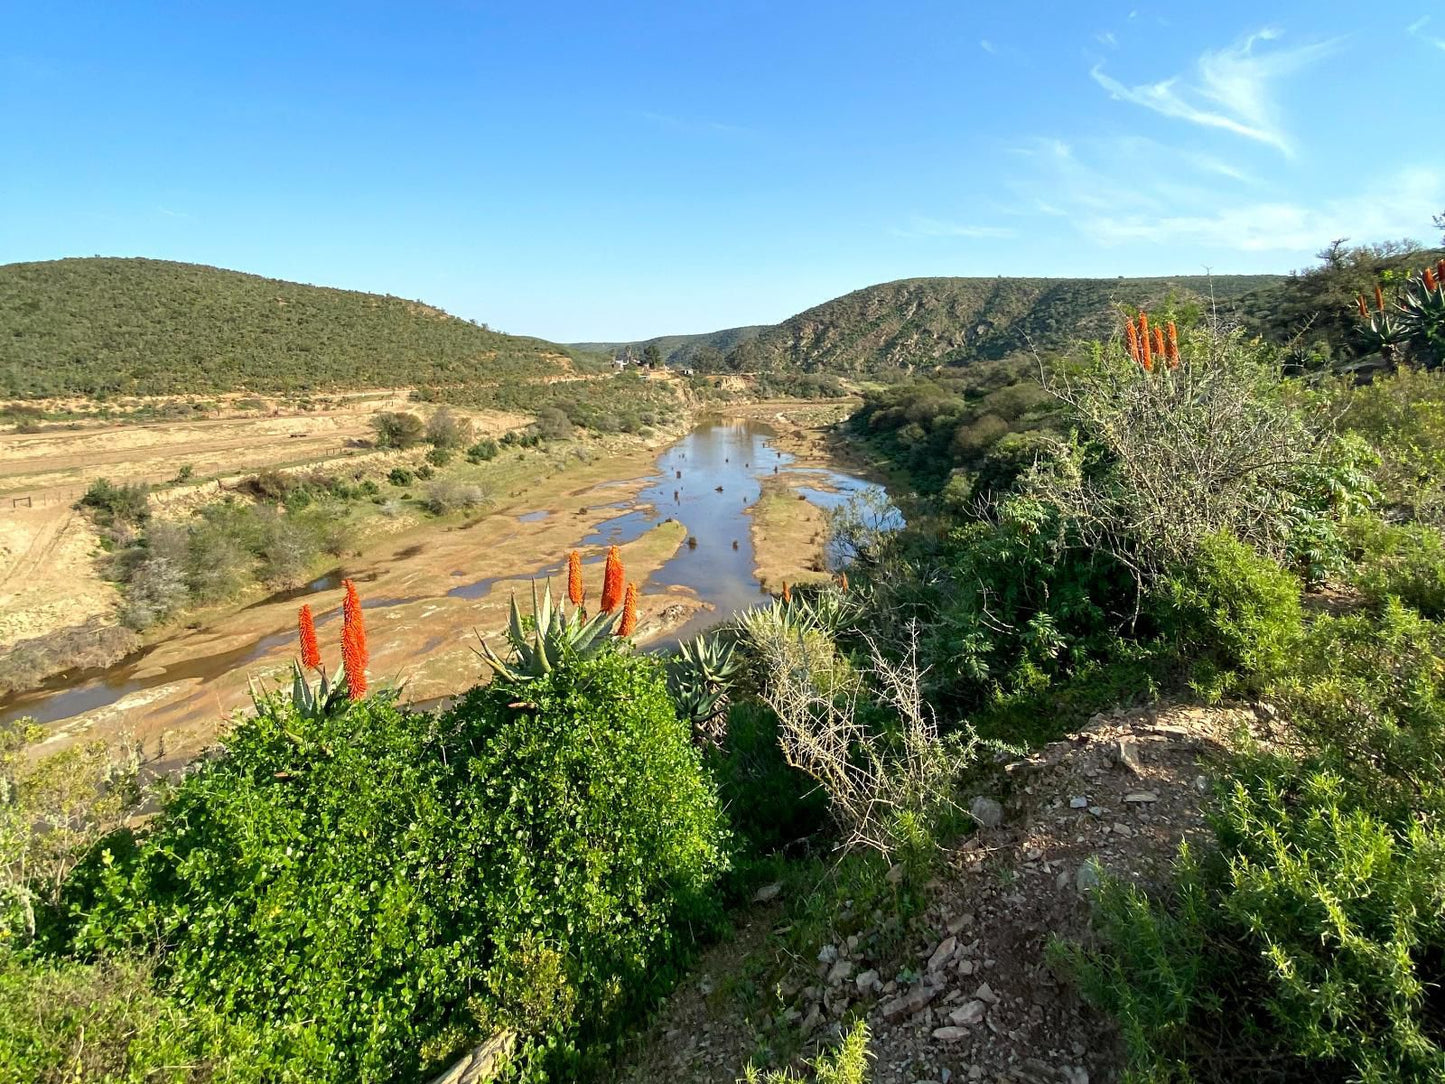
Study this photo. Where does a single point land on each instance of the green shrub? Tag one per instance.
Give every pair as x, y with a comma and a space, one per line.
1232, 616
379, 883
1404, 561
439, 455
770, 804
127, 503
397, 429
1307, 950
400, 476
1367, 694
66, 1022
482, 451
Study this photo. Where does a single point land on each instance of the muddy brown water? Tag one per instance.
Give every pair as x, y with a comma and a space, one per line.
707, 480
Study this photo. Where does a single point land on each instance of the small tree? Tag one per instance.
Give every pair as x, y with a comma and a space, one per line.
446, 430
652, 356
397, 429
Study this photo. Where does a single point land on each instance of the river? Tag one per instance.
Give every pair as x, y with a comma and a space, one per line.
421, 608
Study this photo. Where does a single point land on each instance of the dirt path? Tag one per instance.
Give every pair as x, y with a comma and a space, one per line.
972, 997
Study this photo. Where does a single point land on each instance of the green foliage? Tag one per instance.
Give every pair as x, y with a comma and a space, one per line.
700, 679
548, 638
52, 808
103, 1023
365, 885
1404, 561
1306, 949
152, 327
439, 455
482, 451
127, 503
1232, 615
400, 476
1402, 418
770, 804
1367, 692
848, 1064
397, 429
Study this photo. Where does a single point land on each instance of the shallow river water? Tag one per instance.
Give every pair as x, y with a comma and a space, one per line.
707, 480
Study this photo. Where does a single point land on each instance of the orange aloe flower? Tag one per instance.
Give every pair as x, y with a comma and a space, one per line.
1440, 270
1360, 302
353, 643
1429, 278
612, 581
1133, 337
310, 650
1146, 357
575, 591
629, 611
1379, 299
1159, 342
1173, 352
843, 581
787, 592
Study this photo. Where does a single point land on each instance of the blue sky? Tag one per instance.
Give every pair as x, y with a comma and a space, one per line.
590, 171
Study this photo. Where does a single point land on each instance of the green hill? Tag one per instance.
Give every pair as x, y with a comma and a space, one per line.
106, 326
705, 351
921, 323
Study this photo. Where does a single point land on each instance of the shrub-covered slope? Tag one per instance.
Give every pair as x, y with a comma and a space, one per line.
920, 323
102, 325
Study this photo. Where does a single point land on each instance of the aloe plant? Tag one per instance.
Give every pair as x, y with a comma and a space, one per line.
551, 635
701, 679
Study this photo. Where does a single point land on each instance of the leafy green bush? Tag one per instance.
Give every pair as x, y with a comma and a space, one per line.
67, 1022
482, 451
400, 476
1231, 616
379, 888
1367, 694
1306, 950
1404, 561
439, 455
127, 503
397, 429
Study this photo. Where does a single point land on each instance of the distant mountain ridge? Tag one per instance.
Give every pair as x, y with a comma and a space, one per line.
924, 322
107, 326
694, 350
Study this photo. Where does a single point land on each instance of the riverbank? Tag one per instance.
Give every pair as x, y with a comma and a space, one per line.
430, 584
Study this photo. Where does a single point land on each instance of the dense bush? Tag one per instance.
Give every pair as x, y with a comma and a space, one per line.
1366, 694
1231, 616
127, 503
397, 429
482, 451
1306, 949
376, 889
1404, 561
66, 1022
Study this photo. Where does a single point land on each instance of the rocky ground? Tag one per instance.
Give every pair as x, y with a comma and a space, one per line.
972, 995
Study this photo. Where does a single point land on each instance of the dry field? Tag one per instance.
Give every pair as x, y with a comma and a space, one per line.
47, 576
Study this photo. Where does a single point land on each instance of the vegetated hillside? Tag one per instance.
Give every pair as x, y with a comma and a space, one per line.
138, 326
705, 351
921, 323
1313, 313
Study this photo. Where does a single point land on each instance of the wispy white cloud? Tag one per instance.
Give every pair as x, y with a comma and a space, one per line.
1106, 37
919, 226
1232, 88
1417, 30
1394, 206
987, 46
